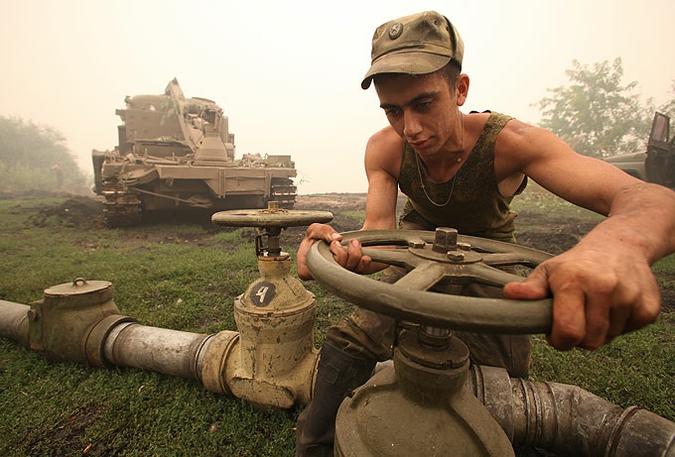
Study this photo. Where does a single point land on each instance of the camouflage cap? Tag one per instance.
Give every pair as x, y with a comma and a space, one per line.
417, 45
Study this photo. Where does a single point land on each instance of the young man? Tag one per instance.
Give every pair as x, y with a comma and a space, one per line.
462, 170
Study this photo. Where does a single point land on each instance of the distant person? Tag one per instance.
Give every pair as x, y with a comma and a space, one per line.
57, 168
462, 170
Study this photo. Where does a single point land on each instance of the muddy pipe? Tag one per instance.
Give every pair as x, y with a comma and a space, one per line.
78, 322
270, 361
114, 340
568, 420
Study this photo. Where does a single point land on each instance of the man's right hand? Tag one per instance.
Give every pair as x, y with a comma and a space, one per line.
352, 258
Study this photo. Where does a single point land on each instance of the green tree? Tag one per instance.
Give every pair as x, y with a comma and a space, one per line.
669, 106
35, 158
595, 113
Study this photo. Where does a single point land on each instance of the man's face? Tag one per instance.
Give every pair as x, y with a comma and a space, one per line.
421, 109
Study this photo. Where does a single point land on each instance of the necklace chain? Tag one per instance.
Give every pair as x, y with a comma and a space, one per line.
454, 178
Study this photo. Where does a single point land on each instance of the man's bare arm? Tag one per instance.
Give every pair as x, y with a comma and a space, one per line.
380, 209
603, 286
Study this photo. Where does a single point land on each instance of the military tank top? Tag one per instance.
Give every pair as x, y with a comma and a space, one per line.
470, 201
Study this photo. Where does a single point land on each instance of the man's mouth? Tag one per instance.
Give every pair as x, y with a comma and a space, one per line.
418, 144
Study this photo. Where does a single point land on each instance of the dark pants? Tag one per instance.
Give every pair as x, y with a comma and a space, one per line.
369, 335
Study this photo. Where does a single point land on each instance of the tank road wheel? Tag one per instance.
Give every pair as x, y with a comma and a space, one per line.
284, 191
438, 265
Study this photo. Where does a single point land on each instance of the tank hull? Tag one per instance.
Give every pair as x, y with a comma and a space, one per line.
177, 153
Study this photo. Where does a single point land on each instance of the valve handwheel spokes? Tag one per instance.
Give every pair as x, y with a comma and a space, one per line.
436, 263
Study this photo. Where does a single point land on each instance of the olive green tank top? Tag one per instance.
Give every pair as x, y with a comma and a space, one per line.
469, 201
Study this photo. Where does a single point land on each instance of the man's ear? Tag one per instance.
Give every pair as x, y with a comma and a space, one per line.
462, 88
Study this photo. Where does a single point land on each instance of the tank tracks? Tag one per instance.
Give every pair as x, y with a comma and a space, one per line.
284, 191
122, 208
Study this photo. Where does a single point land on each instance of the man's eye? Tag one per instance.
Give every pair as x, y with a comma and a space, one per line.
392, 112
423, 106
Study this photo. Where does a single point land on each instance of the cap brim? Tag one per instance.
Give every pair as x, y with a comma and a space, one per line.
411, 63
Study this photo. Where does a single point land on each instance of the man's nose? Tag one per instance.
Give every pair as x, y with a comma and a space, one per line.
411, 125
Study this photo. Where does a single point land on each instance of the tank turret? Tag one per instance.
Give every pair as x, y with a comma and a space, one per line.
177, 153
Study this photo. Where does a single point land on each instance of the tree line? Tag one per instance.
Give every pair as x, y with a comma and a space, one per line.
598, 115
595, 113
36, 158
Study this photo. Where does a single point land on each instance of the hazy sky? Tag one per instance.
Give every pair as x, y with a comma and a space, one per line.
287, 74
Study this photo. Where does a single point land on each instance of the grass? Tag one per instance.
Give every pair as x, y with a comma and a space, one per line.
186, 277
636, 369
171, 276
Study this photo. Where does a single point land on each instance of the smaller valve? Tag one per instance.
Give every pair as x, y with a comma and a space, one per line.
270, 222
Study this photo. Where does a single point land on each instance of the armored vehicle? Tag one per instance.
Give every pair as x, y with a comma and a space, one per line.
177, 153
657, 165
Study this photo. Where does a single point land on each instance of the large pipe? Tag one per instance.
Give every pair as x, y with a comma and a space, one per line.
171, 352
124, 343
14, 321
561, 418
568, 420
222, 362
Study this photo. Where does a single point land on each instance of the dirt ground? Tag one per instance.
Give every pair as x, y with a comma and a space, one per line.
538, 229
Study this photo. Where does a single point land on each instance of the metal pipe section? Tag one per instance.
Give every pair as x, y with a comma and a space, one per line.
219, 361
171, 352
568, 420
14, 321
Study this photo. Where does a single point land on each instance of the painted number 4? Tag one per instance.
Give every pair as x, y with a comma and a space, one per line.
261, 293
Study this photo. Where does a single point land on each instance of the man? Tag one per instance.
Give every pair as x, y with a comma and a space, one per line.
462, 170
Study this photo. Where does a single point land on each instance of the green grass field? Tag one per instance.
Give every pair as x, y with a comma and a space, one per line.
186, 277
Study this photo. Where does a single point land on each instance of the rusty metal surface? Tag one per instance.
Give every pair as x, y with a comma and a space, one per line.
278, 217
567, 420
59, 324
414, 298
420, 407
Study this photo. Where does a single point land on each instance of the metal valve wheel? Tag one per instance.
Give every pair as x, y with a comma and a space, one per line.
272, 217
431, 259
270, 222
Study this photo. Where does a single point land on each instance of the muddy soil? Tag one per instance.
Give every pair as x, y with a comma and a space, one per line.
536, 229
